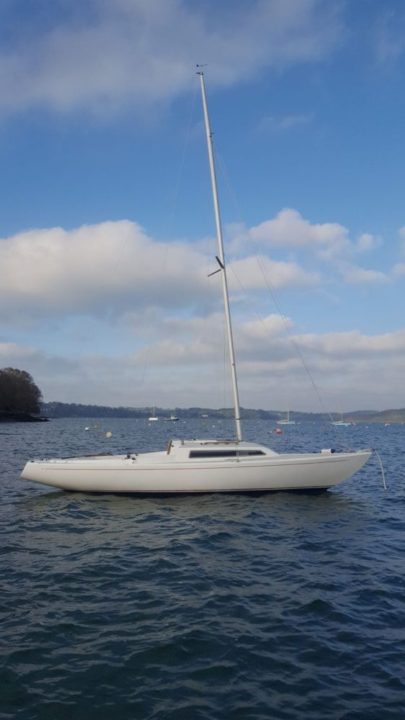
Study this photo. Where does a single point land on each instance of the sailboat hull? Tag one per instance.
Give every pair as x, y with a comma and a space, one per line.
122, 474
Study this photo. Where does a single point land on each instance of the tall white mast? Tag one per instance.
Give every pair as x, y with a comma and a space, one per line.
221, 260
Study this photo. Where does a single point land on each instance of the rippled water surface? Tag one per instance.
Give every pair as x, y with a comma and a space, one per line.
209, 607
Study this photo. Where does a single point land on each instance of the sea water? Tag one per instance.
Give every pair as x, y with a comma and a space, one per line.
210, 607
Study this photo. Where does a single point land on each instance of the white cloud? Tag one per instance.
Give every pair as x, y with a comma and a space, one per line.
167, 343
389, 35
290, 230
353, 343
272, 123
357, 275
12, 350
113, 267
268, 327
110, 54
399, 270
401, 233
351, 369
96, 269
262, 272
328, 243
366, 242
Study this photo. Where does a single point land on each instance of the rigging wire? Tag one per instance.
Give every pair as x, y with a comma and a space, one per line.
180, 172
271, 290
293, 341
382, 468
171, 214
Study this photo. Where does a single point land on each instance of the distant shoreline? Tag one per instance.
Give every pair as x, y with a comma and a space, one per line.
58, 410
21, 417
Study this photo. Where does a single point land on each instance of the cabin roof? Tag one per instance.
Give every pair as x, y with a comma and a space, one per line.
177, 446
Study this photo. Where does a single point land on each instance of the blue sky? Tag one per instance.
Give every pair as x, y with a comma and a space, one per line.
106, 223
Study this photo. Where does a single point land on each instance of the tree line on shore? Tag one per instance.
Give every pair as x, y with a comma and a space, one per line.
20, 397
59, 409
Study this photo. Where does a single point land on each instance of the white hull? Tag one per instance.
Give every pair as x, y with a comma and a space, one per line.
286, 420
163, 472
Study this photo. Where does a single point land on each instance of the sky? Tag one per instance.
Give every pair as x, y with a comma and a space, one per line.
107, 233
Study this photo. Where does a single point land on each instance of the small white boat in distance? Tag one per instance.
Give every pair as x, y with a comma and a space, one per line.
286, 420
341, 422
153, 417
202, 466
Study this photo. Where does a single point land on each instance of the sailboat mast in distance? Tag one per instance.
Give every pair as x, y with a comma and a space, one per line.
221, 260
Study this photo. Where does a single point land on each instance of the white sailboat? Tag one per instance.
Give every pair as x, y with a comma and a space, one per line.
286, 420
341, 422
201, 466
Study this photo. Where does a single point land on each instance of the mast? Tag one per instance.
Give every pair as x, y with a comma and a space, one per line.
221, 260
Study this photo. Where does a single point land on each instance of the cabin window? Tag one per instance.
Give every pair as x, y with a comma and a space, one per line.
223, 453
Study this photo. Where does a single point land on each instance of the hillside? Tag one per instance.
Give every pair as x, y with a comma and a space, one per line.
58, 409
